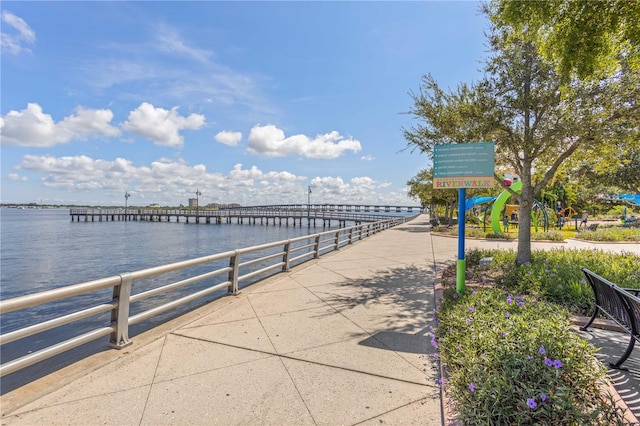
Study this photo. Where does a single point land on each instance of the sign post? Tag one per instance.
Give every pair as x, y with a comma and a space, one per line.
462, 166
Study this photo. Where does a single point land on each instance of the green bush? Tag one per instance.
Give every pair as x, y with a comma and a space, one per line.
612, 233
474, 233
511, 360
499, 235
548, 236
555, 275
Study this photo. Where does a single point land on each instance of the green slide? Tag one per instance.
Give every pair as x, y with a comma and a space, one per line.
498, 205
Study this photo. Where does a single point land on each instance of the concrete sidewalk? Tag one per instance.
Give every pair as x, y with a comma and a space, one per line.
338, 340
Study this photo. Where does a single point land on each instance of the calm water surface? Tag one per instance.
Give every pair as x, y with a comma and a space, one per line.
43, 249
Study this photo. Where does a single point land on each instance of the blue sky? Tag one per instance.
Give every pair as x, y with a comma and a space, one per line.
246, 102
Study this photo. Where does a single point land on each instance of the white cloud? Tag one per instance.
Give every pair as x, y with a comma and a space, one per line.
160, 125
157, 67
172, 182
16, 43
367, 158
16, 177
361, 189
229, 138
165, 181
32, 127
271, 141
171, 42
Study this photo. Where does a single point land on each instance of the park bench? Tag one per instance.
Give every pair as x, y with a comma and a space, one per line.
622, 305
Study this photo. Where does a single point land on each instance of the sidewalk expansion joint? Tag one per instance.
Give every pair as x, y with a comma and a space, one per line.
293, 358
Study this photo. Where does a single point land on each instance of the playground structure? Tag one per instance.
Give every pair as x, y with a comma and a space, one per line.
498, 208
631, 199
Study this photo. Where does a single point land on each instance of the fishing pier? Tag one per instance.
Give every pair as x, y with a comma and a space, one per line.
296, 215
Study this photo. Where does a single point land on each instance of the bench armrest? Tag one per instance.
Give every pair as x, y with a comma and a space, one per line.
634, 291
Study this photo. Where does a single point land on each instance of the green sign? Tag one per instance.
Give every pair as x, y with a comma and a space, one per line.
466, 165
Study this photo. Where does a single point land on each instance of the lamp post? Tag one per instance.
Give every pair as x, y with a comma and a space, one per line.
198, 205
126, 198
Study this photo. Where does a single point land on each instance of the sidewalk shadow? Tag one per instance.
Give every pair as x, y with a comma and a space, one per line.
611, 346
414, 228
401, 300
399, 342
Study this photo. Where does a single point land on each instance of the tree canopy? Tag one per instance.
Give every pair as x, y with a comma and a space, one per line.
588, 38
524, 105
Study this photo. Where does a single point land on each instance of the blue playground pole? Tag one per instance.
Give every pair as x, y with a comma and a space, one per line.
461, 263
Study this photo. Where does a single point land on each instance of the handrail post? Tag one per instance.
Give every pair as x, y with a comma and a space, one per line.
316, 248
351, 235
120, 315
336, 241
234, 263
286, 256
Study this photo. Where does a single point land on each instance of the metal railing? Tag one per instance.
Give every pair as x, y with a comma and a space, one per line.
233, 267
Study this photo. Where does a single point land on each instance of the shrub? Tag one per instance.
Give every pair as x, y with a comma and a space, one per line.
549, 235
474, 233
512, 360
555, 275
499, 235
612, 233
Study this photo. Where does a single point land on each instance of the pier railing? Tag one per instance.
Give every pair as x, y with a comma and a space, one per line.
268, 213
217, 273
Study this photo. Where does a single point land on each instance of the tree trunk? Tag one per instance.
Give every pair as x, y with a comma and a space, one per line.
524, 228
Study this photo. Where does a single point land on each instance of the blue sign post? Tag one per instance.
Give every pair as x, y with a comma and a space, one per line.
461, 166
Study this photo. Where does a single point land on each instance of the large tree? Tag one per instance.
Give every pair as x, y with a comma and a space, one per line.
421, 188
587, 38
525, 106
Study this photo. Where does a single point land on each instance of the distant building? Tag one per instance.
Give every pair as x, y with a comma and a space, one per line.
193, 202
223, 205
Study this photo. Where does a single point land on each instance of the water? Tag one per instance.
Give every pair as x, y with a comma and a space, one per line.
43, 249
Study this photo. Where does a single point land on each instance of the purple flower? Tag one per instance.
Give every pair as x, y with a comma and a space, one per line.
530, 358
484, 281
459, 347
532, 403
543, 397
509, 300
583, 281
436, 356
441, 383
468, 320
471, 309
557, 363
450, 330
542, 350
472, 387
507, 314
548, 361
521, 303
474, 292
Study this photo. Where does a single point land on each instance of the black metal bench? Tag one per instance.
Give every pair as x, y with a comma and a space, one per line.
622, 305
